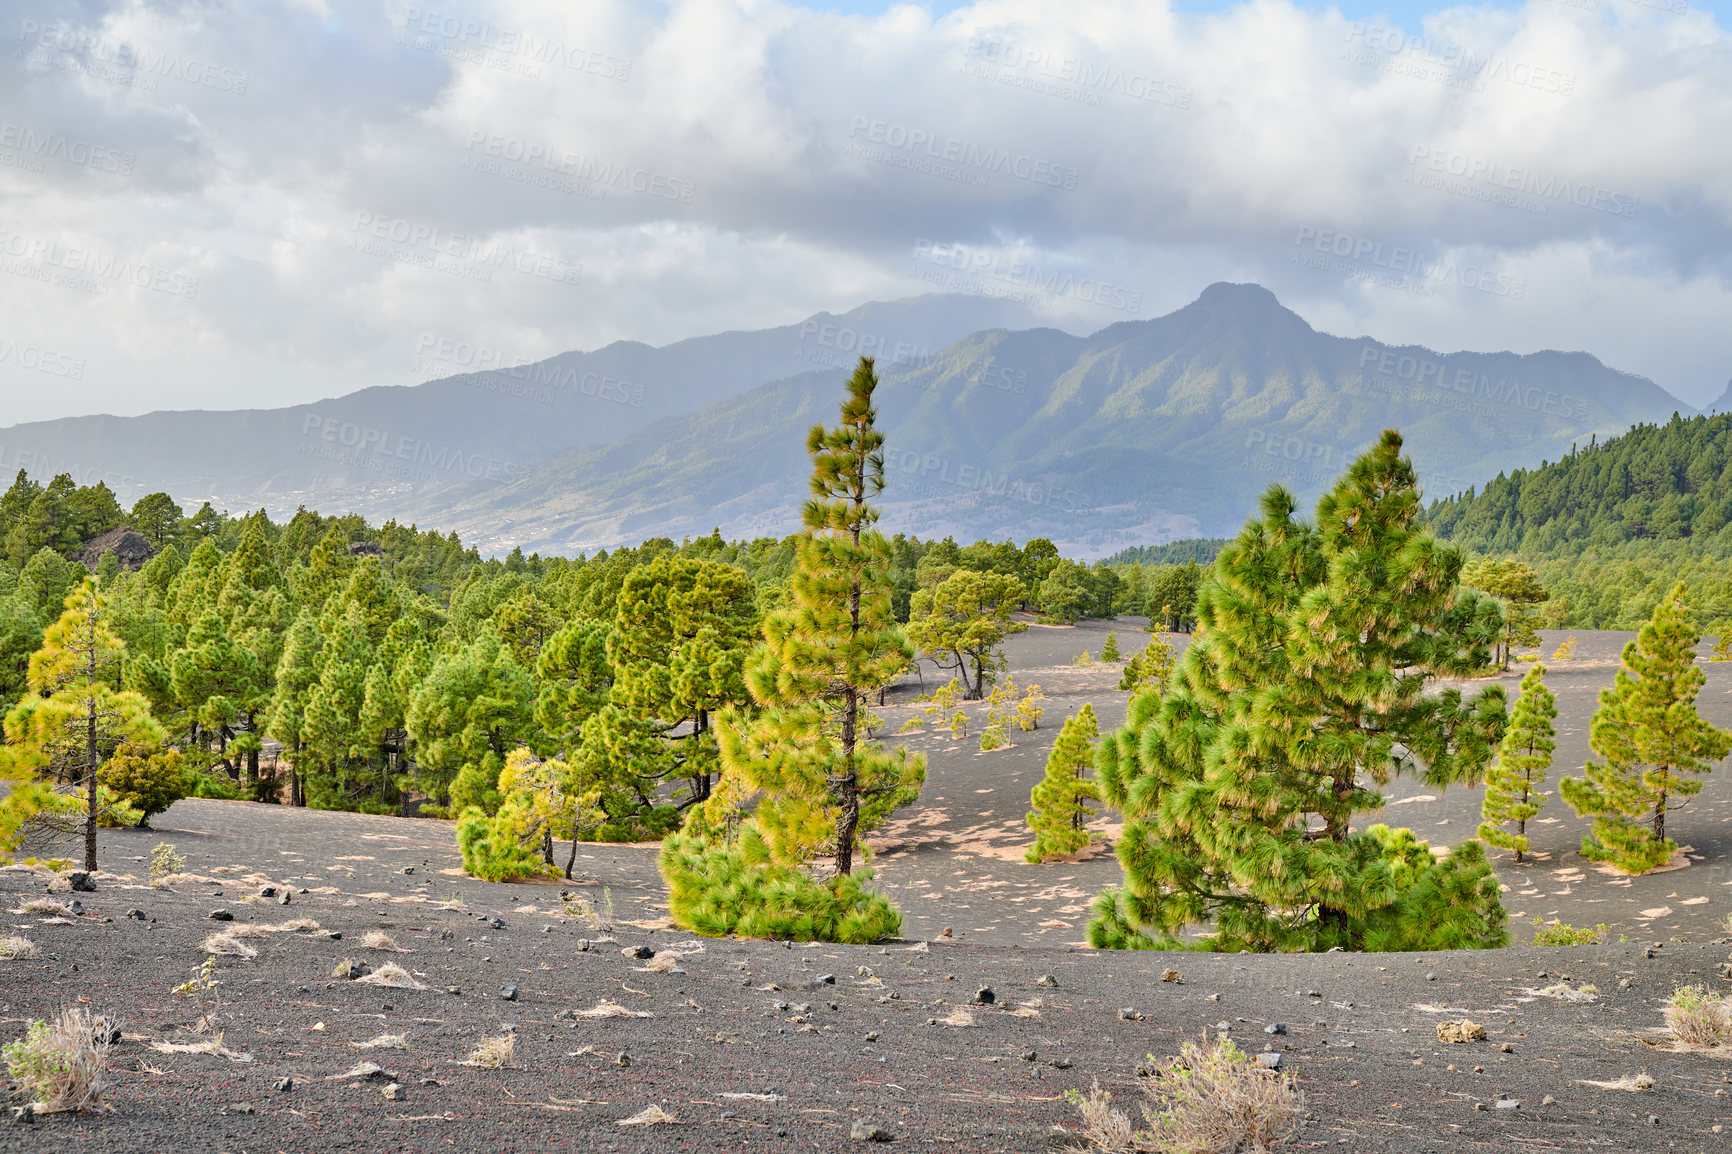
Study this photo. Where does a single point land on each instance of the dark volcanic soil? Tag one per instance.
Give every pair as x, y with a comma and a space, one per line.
1361, 1036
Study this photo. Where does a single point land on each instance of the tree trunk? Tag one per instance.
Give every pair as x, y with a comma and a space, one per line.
90, 778
1659, 818
572, 860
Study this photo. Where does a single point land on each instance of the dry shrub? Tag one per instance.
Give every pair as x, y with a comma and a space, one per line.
212, 1046
293, 926
606, 1009
666, 962
1639, 1081
60, 1063
1698, 1017
380, 940
1567, 993
245, 930
384, 1042
226, 945
650, 1115
14, 948
957, 1018
393, 975
493, 1053
45, 906
1208, 1100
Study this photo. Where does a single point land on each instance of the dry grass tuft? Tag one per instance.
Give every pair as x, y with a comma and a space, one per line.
493, 1053
293, 926
957, 1018
666, 962
651, 1115
45, 906
1206, 1100
607, 1009
384, 1042
380, 940
1639, 1081
212, 1046
14, 948
60, 1063
393, 975
1698, 1017
1567, 993
225, 944
245, 930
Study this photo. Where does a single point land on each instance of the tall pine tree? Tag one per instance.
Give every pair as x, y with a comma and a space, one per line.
1512, 786
1065, 799
1302, 695
1654, 743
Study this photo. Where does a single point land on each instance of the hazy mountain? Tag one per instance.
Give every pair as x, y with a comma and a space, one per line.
1144, 431
376, 450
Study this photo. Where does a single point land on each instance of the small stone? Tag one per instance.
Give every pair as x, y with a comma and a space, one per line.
284, 898
1507, 1104
1312, 994
1431, 977
452, 990
77, 907
80, 882
499, 924
1212, 997
1548, 1100
1046, 980
1269, 1059
267, 891
393, 1092
872, 1037
1172, 975
336, 935
1541, 974
24, 1115
1129, 1014
783, 1006
624, 1059
135, 915
825, 980
408, 870
283, 1085
802, 1007
508, 992
1653, 1119
644, 953
1462, 1031
242, 1108
220, 916
1479, 1107
984, 996
864, 1131
1060, 1063
1028, 1055
1275, 1028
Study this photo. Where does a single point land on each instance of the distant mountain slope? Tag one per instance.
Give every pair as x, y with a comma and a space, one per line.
1658, 482
371, 451
1140, 433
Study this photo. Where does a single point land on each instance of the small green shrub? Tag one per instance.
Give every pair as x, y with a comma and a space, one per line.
493, 849
60, 1063
1698, 1017
164, 861
1564, 934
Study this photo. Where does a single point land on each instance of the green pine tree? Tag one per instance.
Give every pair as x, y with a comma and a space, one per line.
818, 783
963, 621
1654, 743
1512, 785
1110, 650
1064, 800
1303, 694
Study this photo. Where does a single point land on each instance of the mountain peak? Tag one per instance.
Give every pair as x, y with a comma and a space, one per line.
1227, 294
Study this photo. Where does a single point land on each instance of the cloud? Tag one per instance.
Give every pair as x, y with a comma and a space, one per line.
221, 212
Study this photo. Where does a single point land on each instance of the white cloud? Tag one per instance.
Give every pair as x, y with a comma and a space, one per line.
222, 212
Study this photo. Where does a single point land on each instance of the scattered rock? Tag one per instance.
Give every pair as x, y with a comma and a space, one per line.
80, 882
1462, 1031
1507, 1104
408, 870
241, 1108
1046, 980
1275, 1028
336, 935
644, 953
284, 898
873, 1036
1269, 1059
393, 1092
24, 1115
624, 1059
783, 1006
1653, 1119
77, 907
1431, 977
267, 891
350, 969
508, 992
220, 916
1548, 1100
135, 915
499, 924
452, 990
1507, 1048
1212, 997
1171, 975
984, 996
825, 980
1129, 1014
283, 1085
1028, 1055
864, 1131
1060, 1063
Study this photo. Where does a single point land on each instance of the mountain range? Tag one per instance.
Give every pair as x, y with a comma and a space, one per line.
1145, 431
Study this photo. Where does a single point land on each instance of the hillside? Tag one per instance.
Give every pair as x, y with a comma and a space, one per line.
484, 416
1145, 431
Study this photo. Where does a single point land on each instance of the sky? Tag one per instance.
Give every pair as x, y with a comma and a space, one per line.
209, 205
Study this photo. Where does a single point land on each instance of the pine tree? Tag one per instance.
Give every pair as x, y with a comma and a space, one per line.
1110, 650
1515, 583
1149, 669
963, 621
71, 723
820, 785
1065, 799
1654, 743
1303, 693
1512, 786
